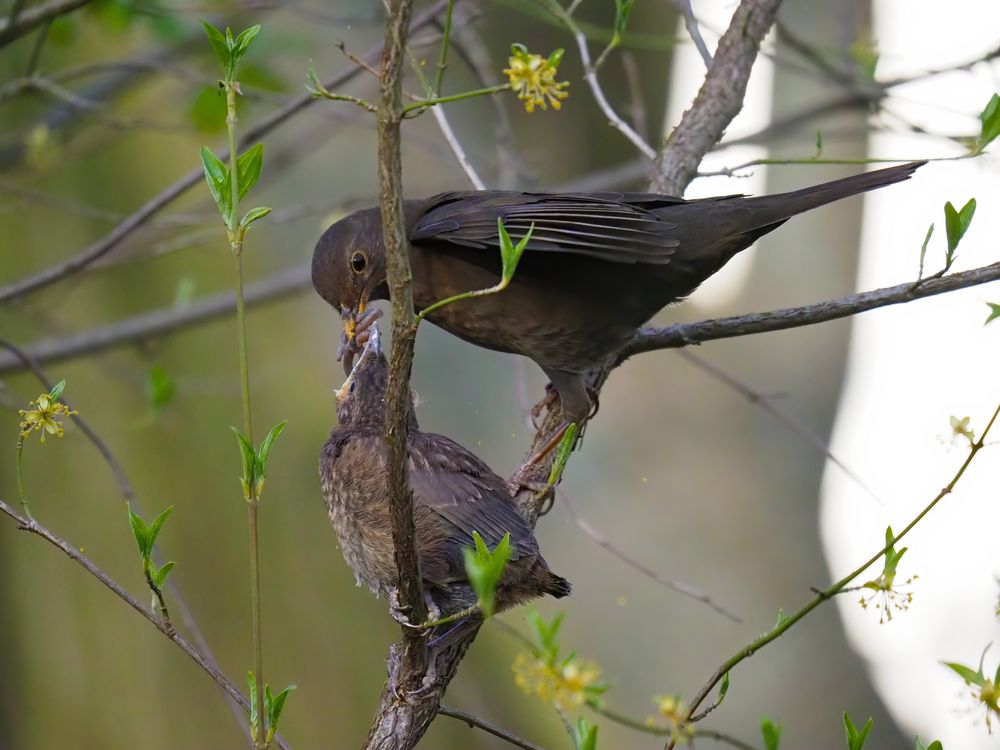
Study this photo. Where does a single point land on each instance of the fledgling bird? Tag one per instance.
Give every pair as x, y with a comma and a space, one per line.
454, 494
597, 266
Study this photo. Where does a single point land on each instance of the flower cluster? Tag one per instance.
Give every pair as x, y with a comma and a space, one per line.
568, 685
676, 712
41, 415
533, 78
887, 596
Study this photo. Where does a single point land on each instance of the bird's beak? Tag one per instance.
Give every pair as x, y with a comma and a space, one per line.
373, 348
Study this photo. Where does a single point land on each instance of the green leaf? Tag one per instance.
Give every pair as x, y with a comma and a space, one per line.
248, 168
770, 732
956, 223
217, 177
990, 118
855, 739
57, 390
159, 575
723, 689
510, 254
274, 709
160, 388
819, 143
781, 618
254, 718
935, 745
484, 569
622, 10
154, 529
994, 313
249, 462
556, 57
252, 215
264, 452
243, 42
585, 734
563, 451
140, 531
966, 673
219, 45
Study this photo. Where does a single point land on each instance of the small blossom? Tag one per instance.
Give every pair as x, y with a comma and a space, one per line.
533, 78
41, 416
676, 712
886, 596
960, 429
568, 686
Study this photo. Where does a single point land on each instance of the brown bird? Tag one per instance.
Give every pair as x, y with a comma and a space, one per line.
454, 493
597, 266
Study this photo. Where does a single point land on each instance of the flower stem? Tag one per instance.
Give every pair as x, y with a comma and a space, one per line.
20, 478
252, 498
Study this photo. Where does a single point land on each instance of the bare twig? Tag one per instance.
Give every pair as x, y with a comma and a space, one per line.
32, 526
693, 29
720, 98
678, 586
457, 149
475, 721
139, 217
20, 23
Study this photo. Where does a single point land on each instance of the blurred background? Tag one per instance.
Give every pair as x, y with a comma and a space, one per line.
105, 107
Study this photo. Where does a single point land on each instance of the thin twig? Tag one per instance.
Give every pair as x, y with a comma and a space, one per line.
678, 586
693, 29
475, 721
17, 24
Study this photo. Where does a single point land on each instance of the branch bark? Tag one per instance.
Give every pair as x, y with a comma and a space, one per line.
21, 23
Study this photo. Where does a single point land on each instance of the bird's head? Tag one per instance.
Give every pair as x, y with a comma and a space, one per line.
361, 399
348, 265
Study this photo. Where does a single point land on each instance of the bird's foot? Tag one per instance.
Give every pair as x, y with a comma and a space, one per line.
399, 611
394, 665
547, 402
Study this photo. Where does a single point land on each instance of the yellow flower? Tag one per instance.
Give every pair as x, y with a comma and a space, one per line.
533, 78
887, 596
675, 711
960, 429
41, 416
568, 686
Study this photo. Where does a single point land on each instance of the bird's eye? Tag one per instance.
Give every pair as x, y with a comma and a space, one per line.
354, 384
358, 262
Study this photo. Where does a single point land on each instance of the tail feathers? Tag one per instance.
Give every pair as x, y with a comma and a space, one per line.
773, 209
556, 586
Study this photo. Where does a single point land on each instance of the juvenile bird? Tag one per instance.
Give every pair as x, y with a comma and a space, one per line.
597, 266
454, 493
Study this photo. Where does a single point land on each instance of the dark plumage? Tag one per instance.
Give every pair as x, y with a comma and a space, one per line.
454, 494
598, 264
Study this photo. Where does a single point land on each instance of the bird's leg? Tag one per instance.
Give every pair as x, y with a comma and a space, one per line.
399, 611
551, 395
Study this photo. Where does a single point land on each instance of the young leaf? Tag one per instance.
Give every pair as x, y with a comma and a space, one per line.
546, 632
249, 462
484, 569
585, 734
254, 718
563, 450
217, 177
274, 709
219, 45
248, 168
159, 575
994, 312
510, 254
966, 673
622, 10
935, 745
781, 618
154, 529
252, 215
723, 689
139, 531
956, 223
990, 118
57, 390
160, 388
264, 452
243, 40
855, 739
770, 732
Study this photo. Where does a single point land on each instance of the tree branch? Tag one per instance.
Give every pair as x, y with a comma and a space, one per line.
19, 24
138, 218
475, 721
719, 100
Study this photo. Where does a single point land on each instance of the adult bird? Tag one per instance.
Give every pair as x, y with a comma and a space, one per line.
454, 494
597, 265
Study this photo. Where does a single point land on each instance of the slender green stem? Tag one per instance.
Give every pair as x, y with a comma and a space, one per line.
445, 41
252, 499
423, 103
458, 298
786, 623
661, 731
20, 478
157, 593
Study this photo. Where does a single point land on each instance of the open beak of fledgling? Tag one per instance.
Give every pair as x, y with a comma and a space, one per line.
373, 348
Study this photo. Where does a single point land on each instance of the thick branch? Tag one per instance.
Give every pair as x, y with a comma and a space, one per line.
136, 220
685, 334
20, 24
412, 660
719, 100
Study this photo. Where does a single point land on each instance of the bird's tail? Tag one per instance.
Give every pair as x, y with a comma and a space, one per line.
556, 586
773, 209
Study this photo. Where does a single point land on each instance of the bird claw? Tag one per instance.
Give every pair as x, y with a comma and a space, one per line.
547, 402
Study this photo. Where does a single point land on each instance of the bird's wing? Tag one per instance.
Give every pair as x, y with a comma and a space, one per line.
615, 227
455, 494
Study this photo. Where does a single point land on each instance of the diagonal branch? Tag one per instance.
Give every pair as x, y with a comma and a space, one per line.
19, 24
144, 213
719, 100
